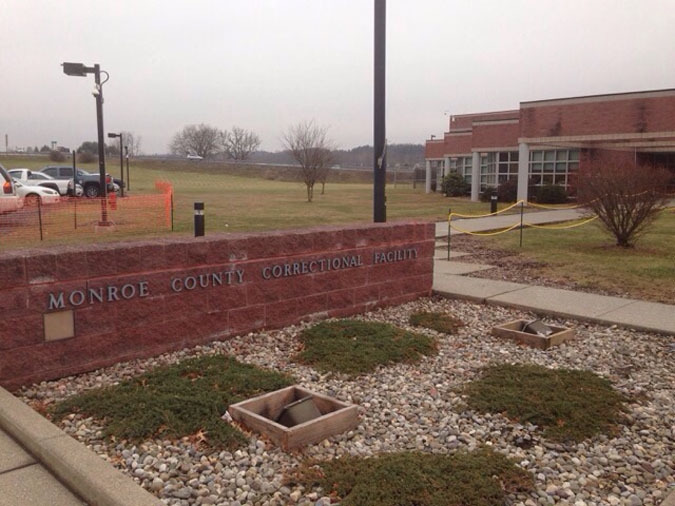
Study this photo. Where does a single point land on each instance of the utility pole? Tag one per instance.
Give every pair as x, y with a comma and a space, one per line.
379, 133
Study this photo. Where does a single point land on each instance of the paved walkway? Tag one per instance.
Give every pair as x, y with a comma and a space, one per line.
40, 465
506, 220
450, 280
24, 481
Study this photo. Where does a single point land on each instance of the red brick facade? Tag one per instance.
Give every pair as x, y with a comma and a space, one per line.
615, 118
134, 300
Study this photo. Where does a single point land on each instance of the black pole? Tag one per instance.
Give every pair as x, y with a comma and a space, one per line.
101, 145
521, 224
379, 141
39, 205
121, 166
199, 219
74, 175
126, 152
449, 230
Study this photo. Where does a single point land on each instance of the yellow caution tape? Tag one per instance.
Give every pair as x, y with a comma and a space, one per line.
563, 227
485, 233
483, 215
542, 206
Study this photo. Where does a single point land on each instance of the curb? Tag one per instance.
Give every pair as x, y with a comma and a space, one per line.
559, 314
86, 474
670, 499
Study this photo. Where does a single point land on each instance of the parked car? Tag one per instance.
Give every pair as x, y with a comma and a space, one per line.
78, 192
33, 195
190, 156
30, 178
90, 182
9, 200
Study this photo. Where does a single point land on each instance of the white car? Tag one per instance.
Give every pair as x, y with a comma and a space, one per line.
9, 200
31, 178
32, 195
190, 156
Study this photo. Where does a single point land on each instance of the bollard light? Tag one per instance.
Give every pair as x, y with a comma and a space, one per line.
199, 219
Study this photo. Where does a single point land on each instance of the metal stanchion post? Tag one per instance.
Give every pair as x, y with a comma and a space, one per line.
521, 224
199, 219
39, 206
449, 230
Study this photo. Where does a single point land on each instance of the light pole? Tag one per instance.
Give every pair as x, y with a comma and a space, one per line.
80, 70
126, 153
379, 134
113, 136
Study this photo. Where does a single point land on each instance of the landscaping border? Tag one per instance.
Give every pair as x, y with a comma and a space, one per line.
81, 470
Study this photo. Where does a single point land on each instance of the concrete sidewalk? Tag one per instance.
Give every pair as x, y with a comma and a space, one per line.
506, 220
629, 313
42, 465
24, 481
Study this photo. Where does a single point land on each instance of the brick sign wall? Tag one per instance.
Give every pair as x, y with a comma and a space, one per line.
71, 309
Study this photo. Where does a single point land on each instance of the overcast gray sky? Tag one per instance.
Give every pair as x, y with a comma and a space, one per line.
263, 64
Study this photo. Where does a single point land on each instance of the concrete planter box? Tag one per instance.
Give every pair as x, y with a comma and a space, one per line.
259, 414
511, 330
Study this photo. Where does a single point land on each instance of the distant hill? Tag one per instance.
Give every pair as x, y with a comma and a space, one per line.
361, 156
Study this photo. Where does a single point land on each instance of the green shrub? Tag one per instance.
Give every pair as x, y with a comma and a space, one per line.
508, 190
567, 404
454, 185
176, 400
440, 322
56, 156
85, 157
551, 194
479, 478
356, 347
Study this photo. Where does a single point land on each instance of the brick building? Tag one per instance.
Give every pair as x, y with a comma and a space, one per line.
546, 141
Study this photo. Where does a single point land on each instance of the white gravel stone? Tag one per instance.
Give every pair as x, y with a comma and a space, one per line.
417, 407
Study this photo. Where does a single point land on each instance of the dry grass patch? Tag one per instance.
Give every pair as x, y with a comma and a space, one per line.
440, 322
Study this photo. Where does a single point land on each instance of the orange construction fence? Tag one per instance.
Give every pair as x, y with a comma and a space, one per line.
72, 219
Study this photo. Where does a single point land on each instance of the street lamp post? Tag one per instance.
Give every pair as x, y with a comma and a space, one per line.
113, 136
80, 70
379, 135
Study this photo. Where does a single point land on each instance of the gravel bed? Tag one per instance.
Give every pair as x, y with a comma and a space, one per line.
511, 266
418, 407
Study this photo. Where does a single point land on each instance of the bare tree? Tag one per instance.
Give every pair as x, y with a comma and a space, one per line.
203, 140
133, 142
308, 144
239, 143
626, 197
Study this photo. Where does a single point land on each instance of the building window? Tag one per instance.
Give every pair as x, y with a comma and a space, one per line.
462, 165
553, 166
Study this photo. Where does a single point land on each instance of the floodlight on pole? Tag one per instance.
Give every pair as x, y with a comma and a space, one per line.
81, 70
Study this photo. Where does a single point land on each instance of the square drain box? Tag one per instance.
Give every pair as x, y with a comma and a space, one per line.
261, 414
514, 330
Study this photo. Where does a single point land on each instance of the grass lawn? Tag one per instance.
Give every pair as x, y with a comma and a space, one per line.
479, 478
185, 399
567, 404
356, 347
247, 204
588, 256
